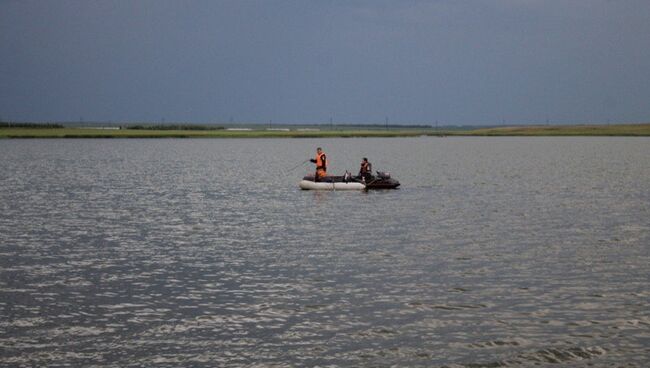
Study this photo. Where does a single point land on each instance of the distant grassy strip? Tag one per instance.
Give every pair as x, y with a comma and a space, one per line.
569, 130
175, 127
572, 130
137, 133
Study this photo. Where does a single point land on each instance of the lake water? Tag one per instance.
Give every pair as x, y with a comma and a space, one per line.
494, 252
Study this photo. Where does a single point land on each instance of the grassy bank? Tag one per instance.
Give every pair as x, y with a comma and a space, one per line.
149, 133
569, 130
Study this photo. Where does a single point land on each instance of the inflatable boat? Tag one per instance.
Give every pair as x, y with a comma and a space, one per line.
381, 181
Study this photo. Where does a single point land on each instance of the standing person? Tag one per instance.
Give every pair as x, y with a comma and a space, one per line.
365, 171
321, 164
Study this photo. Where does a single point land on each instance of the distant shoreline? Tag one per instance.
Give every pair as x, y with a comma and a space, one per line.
623, 130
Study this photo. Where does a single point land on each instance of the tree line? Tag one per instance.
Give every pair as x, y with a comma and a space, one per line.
30, 125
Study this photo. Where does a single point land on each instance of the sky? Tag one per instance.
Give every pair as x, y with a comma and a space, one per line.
455, 62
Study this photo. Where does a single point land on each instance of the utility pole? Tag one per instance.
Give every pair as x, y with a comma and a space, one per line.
386, 122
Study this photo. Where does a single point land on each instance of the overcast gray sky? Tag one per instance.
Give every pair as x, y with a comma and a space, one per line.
452, 61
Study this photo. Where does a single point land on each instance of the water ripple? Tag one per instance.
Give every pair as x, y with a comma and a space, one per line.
495, 252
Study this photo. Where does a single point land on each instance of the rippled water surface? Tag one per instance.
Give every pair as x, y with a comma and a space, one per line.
495, 252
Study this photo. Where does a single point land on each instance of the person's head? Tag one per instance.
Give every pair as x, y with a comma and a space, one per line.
365, 159
319, 150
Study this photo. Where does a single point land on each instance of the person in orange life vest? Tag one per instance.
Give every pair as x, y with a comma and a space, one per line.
365, 171
321, 164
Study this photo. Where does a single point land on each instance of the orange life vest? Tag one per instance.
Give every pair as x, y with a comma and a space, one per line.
321, 164
365, 168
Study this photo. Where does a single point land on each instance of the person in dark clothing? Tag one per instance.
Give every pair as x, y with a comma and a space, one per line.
365, 171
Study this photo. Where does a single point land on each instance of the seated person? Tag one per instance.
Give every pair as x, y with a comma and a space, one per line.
365, 172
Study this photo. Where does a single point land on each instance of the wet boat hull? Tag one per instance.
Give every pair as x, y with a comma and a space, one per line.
312, 185
339, 183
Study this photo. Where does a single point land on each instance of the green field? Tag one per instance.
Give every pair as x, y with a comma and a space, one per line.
136, 133
569, 130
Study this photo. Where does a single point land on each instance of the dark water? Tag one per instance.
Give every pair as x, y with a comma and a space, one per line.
496, 252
